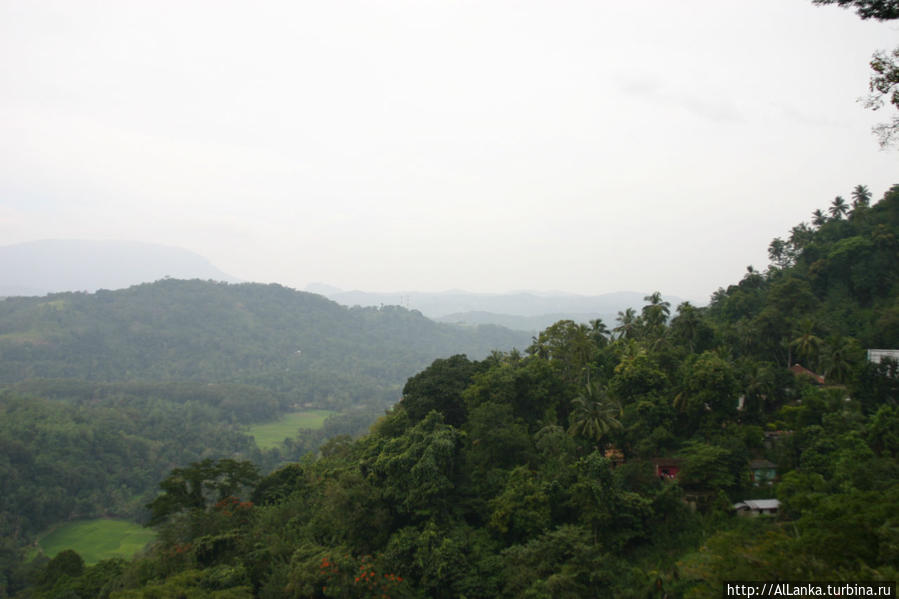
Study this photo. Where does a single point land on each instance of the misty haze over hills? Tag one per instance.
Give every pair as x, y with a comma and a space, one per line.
52, 265
55, 265
521, 310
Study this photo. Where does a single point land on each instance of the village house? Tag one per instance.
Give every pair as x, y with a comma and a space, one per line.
763, 472
757, 507
805, 372
666, 468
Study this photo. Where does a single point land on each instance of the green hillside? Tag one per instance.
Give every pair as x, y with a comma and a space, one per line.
264, 335
605, 461
101, 394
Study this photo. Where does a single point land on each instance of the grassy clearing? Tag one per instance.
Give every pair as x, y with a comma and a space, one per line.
271, 434
96, 540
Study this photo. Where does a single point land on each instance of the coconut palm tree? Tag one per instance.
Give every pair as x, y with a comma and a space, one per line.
836, 358
685, 325
806, 343
818, 217
628, 324
599, 332
656, 313
838, 208
861, 200
747, 335
861, 197
594, 413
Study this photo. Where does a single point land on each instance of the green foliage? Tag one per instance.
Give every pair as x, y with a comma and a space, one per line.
561, 563
534, 390
169, 373
522, 509
198, 485
190, 584
439, 387
852, 528
70, 458
755, 550
707, 467
636, 375
279, 485
568, 346
594, 414
65, 563
268, 336
709, 391
420, 467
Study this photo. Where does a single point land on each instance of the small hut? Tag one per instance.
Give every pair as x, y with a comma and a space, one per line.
757, 507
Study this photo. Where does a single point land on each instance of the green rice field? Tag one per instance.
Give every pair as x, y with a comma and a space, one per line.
271, 434
96, 540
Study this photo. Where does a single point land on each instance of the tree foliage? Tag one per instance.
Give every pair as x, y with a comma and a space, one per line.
884, 82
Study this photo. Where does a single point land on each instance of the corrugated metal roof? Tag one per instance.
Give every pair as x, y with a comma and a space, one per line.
762, 504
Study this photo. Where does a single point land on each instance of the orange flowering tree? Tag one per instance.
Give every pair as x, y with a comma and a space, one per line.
349, 577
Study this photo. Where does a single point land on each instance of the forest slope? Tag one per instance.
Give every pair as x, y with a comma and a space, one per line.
265, 335
598, 463
538, 475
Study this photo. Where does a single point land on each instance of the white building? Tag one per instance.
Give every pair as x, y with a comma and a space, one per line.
876, 355
757, 507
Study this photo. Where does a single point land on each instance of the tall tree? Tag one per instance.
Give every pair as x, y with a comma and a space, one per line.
818, 217
656, 313
838, 208
837, 358
627, 326
599, 332
861, 197
594, 414
806, 343
685, 325
779, 253
194, 487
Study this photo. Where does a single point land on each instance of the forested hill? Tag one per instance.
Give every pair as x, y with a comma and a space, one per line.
265, 335
599, 463
830, 290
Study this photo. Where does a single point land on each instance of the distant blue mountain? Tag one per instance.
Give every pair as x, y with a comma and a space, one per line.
53, 265
520, 310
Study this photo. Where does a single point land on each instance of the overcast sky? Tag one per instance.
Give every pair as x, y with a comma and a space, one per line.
488, 145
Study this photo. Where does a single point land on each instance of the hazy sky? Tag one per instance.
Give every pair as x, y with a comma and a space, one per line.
489, 145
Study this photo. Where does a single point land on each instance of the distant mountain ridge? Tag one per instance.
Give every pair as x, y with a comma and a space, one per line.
521, 310
269, 336
56, 265
532, 324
